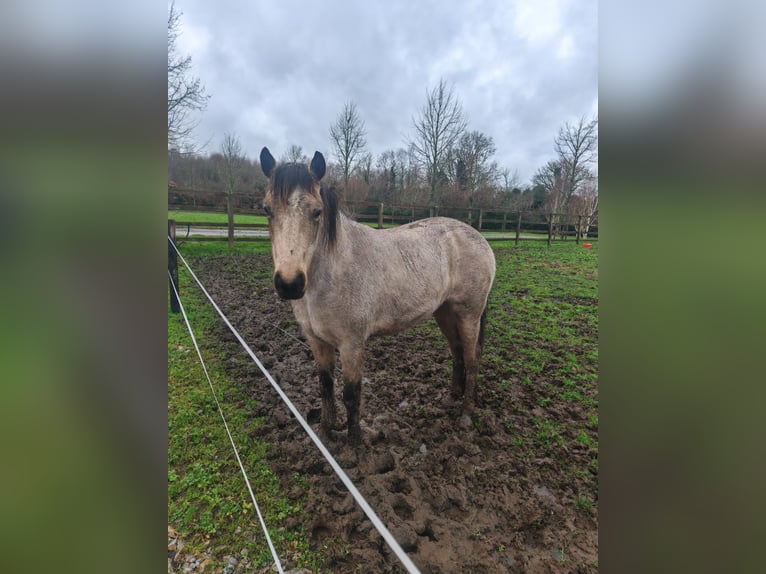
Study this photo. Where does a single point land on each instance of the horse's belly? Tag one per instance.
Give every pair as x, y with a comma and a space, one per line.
398, 319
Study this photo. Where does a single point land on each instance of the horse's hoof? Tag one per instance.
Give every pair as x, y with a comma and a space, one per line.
465, 422
314, 416
325, 434
355, 436
347, 457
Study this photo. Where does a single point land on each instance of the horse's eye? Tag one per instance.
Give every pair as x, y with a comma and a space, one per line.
267, 210
316, 214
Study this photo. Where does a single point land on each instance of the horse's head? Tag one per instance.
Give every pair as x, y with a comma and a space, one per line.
302, 215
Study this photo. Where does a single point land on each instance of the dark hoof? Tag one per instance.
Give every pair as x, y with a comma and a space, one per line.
327, 436
355, 436
314, 416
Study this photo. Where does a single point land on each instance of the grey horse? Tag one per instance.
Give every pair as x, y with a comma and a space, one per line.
347, 282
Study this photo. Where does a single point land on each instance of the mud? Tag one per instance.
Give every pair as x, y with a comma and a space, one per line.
456, 500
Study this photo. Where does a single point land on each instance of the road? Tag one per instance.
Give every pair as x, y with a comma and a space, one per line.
181, 232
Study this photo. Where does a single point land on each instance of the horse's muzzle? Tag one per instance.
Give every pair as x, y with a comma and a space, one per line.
290, 289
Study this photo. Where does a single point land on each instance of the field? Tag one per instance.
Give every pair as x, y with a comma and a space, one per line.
516, 493
210, 217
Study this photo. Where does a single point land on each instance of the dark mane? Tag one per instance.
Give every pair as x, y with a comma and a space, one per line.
288, 176
330, 201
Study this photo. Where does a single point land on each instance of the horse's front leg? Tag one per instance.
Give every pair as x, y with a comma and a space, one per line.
352, 358
324, 355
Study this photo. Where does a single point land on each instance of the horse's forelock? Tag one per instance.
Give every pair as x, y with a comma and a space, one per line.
290, 176
287, 177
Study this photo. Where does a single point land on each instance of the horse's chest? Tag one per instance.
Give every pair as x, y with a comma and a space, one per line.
321, 322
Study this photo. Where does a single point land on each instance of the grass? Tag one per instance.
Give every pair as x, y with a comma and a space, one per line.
208, 502
205, 217
542, 324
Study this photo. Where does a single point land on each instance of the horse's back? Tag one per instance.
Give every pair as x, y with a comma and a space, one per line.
385, 281
466, 258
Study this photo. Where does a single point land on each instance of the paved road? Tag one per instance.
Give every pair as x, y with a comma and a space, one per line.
219, 232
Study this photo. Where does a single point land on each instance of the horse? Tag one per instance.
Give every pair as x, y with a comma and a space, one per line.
347, 282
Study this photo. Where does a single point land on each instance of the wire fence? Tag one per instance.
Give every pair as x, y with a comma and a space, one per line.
358, 497
228, 432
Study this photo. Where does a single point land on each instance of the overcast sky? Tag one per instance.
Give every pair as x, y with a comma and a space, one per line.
280, 71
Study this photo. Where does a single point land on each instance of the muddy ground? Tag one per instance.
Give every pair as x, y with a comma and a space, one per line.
456, 500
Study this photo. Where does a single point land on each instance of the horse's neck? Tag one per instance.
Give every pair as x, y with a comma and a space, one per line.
349, 236
350, 227
353, 234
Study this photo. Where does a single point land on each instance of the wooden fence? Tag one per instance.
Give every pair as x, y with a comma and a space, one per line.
508, 224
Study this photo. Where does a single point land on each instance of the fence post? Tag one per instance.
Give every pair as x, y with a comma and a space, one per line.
505, 214
481, 214
413, 215
579, 227
173, 267
380, 216
550, 228
230, 218
518, 228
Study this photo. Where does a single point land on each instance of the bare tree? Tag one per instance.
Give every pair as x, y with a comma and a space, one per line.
552, 178
186, 94
390, 174
576, 146
473, 170
436, 130
294, 154
365, 167
349, 138
231, 164
509, 181
584, 206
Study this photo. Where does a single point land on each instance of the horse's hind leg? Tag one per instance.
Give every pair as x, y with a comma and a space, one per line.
324, 355
447, 321
471, 327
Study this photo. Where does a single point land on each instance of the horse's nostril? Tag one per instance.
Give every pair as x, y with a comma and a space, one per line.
292, 289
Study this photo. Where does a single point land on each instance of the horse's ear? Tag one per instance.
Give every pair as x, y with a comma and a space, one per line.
267, 162
317, 166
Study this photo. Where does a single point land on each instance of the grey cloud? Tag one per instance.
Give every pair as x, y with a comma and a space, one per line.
280, 73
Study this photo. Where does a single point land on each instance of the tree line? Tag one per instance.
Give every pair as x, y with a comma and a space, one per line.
442, 163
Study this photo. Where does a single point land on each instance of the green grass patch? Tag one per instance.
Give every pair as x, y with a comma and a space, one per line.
211, 217
195, 249
542, 326
208, 501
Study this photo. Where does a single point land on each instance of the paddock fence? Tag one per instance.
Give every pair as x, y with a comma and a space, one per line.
497, 223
